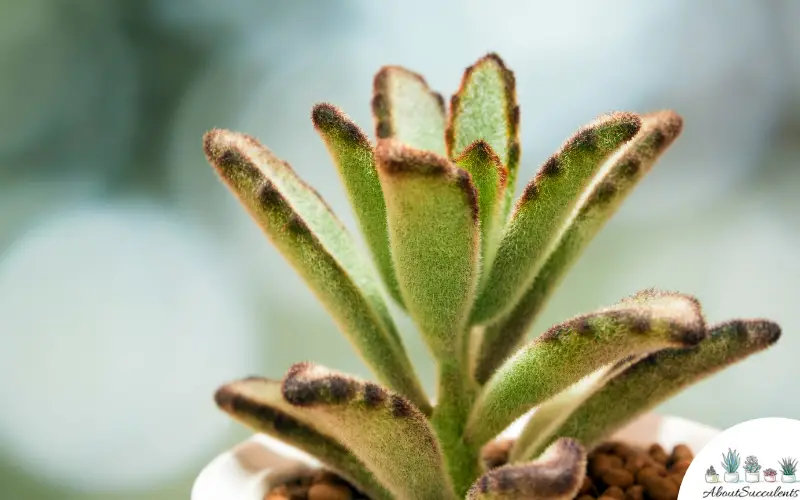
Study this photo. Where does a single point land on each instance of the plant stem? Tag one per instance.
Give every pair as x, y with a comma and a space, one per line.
455, 398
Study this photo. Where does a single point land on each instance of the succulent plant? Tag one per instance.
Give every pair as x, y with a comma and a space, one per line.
751, 464
770, 472
711, 471
731, 461
473, 267
788, 466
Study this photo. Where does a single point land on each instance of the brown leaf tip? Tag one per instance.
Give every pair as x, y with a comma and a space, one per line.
224, 397
492, 59
759, 331
329, 119
668, 126
232, 155
381, 105
512, 109
397, 159
385, 73
481, 151
557, 475
220, 147
306, 384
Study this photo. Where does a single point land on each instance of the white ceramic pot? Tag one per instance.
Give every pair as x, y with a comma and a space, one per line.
712, 478
786, 478
731, 477
770, 479
751, 477
247, 471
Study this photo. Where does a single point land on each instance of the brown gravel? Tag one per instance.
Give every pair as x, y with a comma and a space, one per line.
615, 471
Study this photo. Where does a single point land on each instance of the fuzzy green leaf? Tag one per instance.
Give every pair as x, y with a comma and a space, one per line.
646, 322
384, 430
407, 110
352, 153
490, 177
305, 231
259, 404
432, 208
606, 193
663, 374
550, 415
545, 206
558, 475
485, 109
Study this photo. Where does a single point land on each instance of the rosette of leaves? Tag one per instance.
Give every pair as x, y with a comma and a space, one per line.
711, 471
434, 198
770, 472
751, 464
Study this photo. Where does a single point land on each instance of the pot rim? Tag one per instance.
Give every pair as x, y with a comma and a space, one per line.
245, 471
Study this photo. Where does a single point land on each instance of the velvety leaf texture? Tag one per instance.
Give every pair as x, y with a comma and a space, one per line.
550, 415
556, 476
432, 208
383, 429
434, 199
407, 110
544, 208
644, 323
485, 109
606, 193
307, 233
490, 177
352, 153
258, 403
659, 376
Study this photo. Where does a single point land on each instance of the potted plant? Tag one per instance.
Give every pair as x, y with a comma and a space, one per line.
751, 469
711, 475
730, 464
788, 469
770, 475
473, 268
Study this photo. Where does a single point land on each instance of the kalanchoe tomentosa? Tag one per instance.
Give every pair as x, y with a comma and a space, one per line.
434, 198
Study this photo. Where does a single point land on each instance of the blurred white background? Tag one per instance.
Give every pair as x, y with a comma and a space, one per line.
132, 284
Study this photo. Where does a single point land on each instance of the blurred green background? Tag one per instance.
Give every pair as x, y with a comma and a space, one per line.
132, 284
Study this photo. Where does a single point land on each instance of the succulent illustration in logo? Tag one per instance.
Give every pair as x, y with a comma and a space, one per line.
711, 475
770, 475
788, 469
751, 469
730, 464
